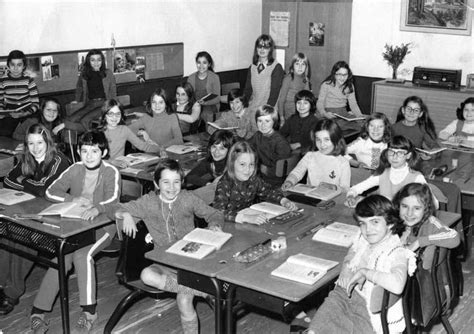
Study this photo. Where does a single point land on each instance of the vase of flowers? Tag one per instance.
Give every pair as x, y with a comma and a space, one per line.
394, 56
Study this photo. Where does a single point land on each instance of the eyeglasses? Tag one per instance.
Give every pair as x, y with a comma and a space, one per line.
396, 153
114, 114
414, 111
266, 47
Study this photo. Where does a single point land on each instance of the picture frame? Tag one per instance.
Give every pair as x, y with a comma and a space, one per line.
441, 17
470, 82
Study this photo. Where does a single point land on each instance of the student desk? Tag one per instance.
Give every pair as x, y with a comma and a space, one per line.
71, 235
7, 145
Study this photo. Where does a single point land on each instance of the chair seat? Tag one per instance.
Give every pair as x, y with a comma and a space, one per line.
138, 284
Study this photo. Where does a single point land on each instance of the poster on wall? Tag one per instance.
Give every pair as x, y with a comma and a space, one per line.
124, 60
316, 34
440, 16
33, 67
279, 28
46, 62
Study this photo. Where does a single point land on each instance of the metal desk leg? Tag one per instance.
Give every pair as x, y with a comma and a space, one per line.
218, 323
229, 311
63, 288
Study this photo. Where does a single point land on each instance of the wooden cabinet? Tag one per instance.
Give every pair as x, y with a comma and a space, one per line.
387, 98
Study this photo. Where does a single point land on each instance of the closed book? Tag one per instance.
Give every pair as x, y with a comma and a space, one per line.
270, 210
303, 268
324, 191
182, 149
208, 97
12, 196
199, 243
337, 234
138, 158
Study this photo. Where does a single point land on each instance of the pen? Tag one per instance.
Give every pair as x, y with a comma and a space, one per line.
310, 231
51, 225
467, 180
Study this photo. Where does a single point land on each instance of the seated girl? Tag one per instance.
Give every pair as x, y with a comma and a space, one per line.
186, 107
117, 133
240, 187
268, 143
239, 116
396, 169
375, 261
297, 127
162, 128
463, 126
327, 164
372, 141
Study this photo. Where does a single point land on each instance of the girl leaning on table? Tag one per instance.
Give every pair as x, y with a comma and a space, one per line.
376, 260
168, 214
240, 187
186, 107
38, 166
463, 127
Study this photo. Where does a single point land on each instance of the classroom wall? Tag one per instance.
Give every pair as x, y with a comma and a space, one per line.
227, 29
377, 22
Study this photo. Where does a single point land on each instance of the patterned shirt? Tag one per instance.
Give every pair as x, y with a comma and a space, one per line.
15, 92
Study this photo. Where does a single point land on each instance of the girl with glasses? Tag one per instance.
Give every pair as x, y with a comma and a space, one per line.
265, 75
414, 123
396, 169
337, 91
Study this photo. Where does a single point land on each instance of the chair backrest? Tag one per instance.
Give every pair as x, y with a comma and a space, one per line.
132, 259
387, 296
226, 88
285, 166
440, 196
451, 192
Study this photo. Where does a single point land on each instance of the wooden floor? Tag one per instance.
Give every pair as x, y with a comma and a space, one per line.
151, 316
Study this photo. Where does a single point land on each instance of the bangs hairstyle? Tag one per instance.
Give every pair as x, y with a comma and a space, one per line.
92, 138
109, 104
59, 118
224, 137
205, 54
300, 57
237, 93
189, 90
238, 148
387, 133
400, 143
424, 121
169, 164
424, 195
266, 40
335, 134
348, 86
161, 93
268, 110
380, 206
87, 69
16, 54
460, 110
307, 96
27, 159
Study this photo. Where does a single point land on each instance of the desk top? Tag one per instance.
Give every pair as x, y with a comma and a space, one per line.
67, 226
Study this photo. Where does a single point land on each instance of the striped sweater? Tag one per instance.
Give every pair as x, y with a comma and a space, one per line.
15, 92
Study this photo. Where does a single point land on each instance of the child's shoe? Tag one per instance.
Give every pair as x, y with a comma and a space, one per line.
38, 324
85, 322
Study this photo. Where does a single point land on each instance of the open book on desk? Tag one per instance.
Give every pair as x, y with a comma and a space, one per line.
270, 210
65, 209
350, 117
183, 148
138, 158
324, 191
218, 127
12, 196
199, 243
337, 234
304, 268
12, 111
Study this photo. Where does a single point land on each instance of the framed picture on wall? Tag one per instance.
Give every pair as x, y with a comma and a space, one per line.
440, 16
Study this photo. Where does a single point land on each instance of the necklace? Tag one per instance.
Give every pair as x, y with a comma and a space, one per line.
171, 234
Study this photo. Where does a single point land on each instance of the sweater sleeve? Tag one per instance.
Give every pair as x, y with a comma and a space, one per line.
282, 149
197, 176
214, 88
175, 131
22, 127
351, 98
58, 191
112, 182
441, 235
222, 198
300, 169
276, 79
194, 116
211, 215
79, 89
11, 180
448, 131
345, 181
139, 123
266, 192
359, 188
429, 141
248, 90
320, 104
140, 144
285, 86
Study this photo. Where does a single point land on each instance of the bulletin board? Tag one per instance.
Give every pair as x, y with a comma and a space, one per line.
58, 71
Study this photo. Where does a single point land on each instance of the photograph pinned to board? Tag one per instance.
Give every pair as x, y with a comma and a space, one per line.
33, 67
439, 17
124, 60
3, 68
316, 33
140, 67
46, 62
279, 28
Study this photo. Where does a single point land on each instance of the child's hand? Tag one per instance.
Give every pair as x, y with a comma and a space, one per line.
357, 279
128, 226
351, 201
120, 163
259, 219
413, 246
143, 134
19, 114
288, 204
215, 228
90, 213
286, 185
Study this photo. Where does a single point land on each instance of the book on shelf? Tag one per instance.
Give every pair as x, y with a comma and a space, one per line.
12, 196
218, 127
65, 209
199, 243
182, 148
324, 191
208, 97
270, 210
431, 151
12, 111
303, 268
337, 234
350, 117
138, 158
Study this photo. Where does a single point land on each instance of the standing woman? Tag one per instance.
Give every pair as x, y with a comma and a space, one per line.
96, 84
265, 75
205, 81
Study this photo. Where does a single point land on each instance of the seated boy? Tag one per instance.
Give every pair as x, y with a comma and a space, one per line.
93, 183
168, 214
